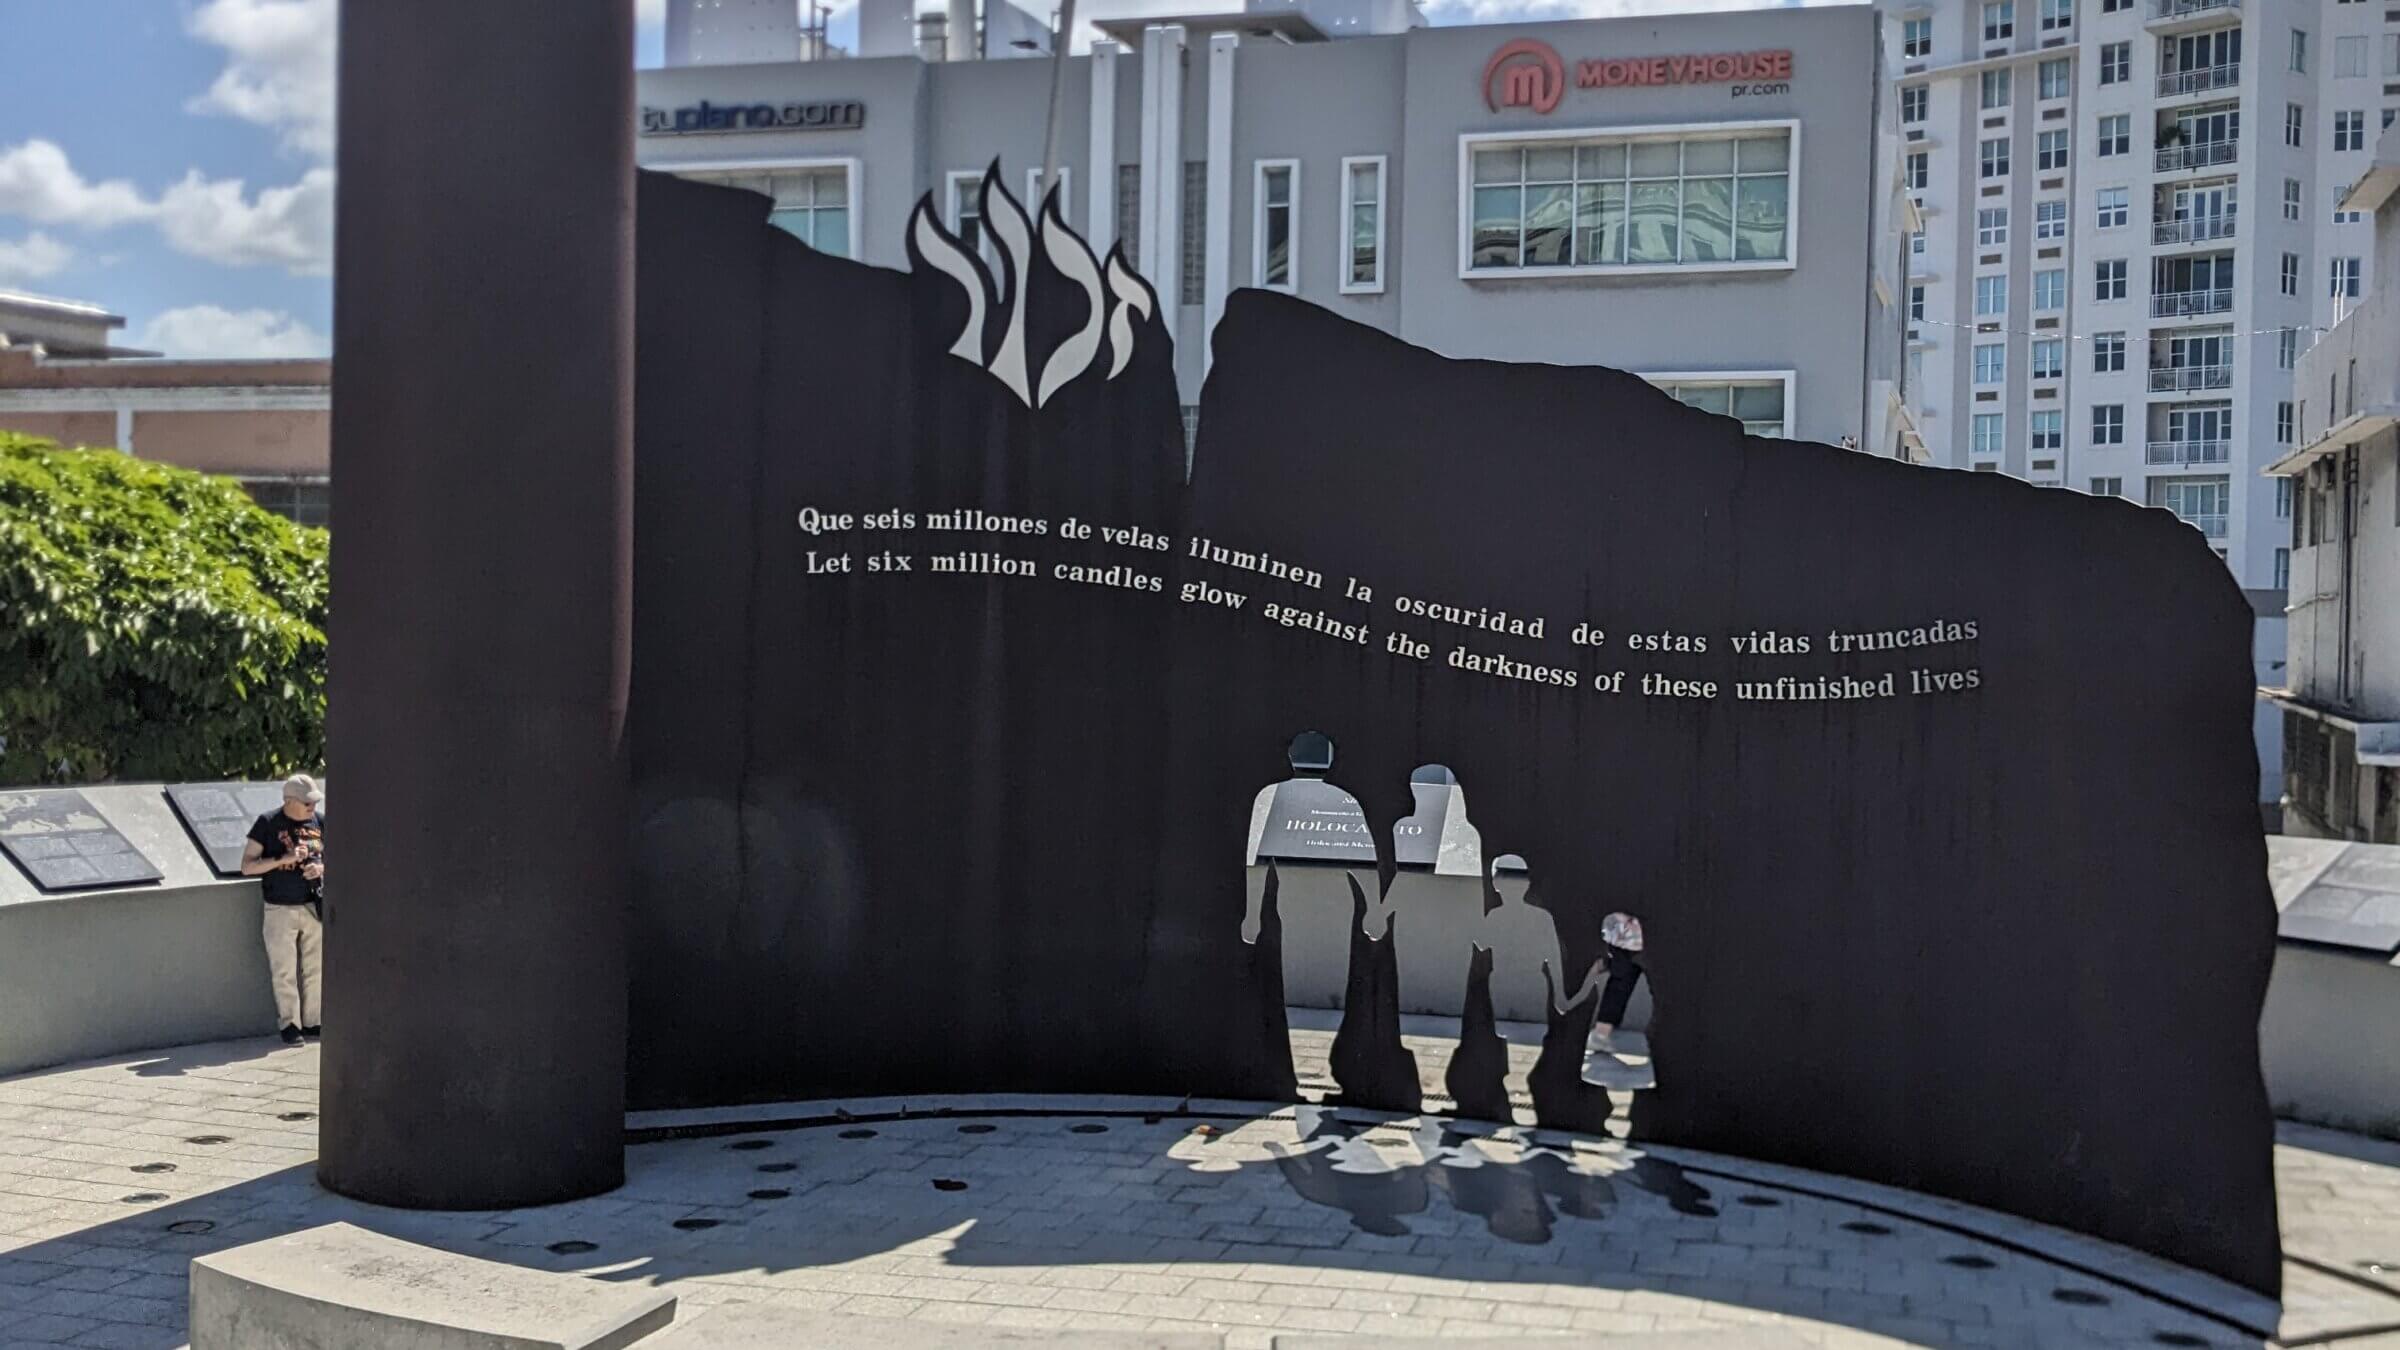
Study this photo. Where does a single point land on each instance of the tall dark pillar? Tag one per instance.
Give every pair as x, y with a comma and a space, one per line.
474, 1052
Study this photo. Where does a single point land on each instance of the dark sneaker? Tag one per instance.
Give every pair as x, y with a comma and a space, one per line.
291, 1035
312, 1032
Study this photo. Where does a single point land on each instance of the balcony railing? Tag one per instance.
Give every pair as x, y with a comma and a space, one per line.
2177, 9
2189, 452
2211, 526
2197, 155
2199, 80
2192, 229
2177, 304
2183, 379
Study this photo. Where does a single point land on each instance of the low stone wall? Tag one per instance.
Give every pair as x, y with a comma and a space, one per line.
2330, 1039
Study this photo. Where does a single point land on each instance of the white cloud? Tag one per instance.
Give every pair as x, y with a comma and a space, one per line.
212, 218
289, 227
209, 331
278, 67
39, 184
35, 256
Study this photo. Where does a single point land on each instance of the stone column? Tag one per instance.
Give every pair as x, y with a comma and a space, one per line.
474, 1052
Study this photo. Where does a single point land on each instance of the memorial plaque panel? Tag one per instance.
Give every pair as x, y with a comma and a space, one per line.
64, 844
218, 817
2344, 916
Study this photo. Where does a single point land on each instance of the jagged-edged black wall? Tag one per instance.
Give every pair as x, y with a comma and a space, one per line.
905, 833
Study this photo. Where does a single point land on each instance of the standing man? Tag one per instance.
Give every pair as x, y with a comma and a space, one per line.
286, 852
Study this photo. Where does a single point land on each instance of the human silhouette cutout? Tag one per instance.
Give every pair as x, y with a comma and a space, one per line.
1527, 966
1431, 847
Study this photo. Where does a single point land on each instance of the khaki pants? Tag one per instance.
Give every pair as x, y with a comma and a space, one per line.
296, 964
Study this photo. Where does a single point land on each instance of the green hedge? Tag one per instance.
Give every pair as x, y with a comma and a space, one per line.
155, 623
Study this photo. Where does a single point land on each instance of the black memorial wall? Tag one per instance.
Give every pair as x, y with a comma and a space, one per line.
1933, 790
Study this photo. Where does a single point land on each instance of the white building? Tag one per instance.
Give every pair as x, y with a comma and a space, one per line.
2132, 231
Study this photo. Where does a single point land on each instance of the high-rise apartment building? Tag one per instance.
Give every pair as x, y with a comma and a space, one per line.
2131, 234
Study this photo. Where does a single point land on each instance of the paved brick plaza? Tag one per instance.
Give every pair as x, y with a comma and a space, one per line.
1293, 1222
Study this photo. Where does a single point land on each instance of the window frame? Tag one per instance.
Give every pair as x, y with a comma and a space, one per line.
1788, 378
853, 169
1383, 212
1259, 169
1469, 142
1066, 193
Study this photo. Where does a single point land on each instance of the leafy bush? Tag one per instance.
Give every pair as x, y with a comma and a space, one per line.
155, 623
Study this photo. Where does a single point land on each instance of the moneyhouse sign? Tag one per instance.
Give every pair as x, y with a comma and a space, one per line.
1529, 73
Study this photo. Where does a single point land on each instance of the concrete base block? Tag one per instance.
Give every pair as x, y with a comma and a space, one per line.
1745, 1338
764, 1326
339, 1287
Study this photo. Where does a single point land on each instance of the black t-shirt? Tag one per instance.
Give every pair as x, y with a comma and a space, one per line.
278, 835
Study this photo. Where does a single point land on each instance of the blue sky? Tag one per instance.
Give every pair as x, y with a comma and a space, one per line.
172, 160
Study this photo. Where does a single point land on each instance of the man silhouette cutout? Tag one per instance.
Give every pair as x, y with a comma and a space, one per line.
1314, 905
1523, 941
1432, 911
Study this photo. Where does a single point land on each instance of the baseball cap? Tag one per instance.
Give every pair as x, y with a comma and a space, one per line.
303, 788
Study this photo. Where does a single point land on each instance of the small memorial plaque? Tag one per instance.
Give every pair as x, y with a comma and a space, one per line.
218, 817
63, 843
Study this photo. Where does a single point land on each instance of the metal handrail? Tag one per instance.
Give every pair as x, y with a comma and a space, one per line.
2199, 154
2173, 304
2193, 229
2176, 9
2182, 379
2188, 452
2199, 79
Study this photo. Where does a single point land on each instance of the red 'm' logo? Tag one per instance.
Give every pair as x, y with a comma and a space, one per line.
1525, 73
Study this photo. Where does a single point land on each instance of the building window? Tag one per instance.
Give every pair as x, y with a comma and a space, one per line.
1916, 37
966, 208
1129, 212
1623, 201
2115, 6
1758, 404
1999, 20
1194, 290
1916, 244
2116, 62
2049, 220
2344, 278
2283, 497
1066, 191
2057, 14
1918, 173
2283, 569
1991, 296
2291, 274
2049, 359
1997, 86
2050, 288
1991, 226
1362, 214
1916, 304
2108, 352
2197, 502
2051, 149
1912, 103
2108, 487
2108, 424
2057, 79
2116, 134
2291, 199
2108, 279
2299, 52
2342, 217
1991, 363
1986, 434
2349, 57
2287, 347
2291, 124
2350, 130
2391, 54
305, 500
2283, 436
2049, 430
1274, 223
2388, 115
2112, 208
1993, 157
810, 203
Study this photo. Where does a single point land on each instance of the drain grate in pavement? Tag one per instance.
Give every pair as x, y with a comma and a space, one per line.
2081, 1298
948, 1184
695, 1225
778, 1167
297, 1115
749, 1145
861, 1133
188, 1227
573, 1247
1868, 1227
771, 1193
153, 1168
2177, 1338
977, 1129
145, 1197
210, 1139
1757, 1201
1088, 1127
1970, 1261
